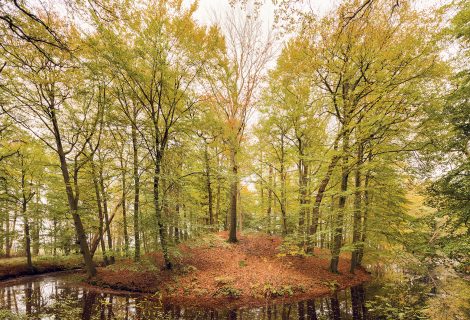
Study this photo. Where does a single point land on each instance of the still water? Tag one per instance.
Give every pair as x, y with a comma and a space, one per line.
57, 297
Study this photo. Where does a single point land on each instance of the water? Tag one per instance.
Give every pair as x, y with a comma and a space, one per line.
58, 297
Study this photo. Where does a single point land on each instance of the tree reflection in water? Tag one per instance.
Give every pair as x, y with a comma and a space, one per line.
56, 298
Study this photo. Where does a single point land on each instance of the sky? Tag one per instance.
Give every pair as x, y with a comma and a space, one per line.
205, 13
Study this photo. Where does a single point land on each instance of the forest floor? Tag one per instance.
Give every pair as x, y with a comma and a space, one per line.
16, 267
212, 271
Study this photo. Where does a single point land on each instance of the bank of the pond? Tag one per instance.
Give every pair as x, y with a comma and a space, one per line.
247, 273
11, 268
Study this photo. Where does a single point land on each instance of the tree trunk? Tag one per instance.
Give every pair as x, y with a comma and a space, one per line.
54, 231
7, 231
208, 185
270, 199
319, 198
357, 208
24, 204
338, 222
218, 193
106, 217
72, 199
136, 191
124, 213
360, 253
27, 236
233, 196
100, 216
158, 211
303, 197
283, 200
37, 223
283, 175
2, 230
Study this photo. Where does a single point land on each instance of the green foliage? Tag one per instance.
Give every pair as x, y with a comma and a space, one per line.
333, 285
8, 315
228, 291
242, 263
293, 245
224, 280
270, 291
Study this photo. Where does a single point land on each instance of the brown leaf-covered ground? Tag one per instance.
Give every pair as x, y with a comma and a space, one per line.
246, 273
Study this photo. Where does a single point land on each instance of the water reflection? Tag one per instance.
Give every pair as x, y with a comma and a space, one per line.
55, 297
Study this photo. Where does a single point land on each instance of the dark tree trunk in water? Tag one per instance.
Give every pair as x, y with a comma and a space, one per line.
335, 307
233, 196
136, 191
311, 310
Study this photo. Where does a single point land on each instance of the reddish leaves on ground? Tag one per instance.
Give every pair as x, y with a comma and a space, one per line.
245, 273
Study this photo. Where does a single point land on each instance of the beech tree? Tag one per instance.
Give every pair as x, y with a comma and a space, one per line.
234, 83
45, 90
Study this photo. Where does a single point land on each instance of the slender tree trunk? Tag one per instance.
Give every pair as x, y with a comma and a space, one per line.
208, 185
338, 221
36, 230
72, 199
27, 236
158, 211
2, 230
218, 193
283, 200
7, 231
357, 209
360, 252
319, 198
37, 223
124, 213
233, 196
136, 191
100, 216
303, 189
283, 175
269, 211
24, 204
239, 210
54, 231
106, 217
217, 205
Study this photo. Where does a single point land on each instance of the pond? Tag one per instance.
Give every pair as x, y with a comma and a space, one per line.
57, 296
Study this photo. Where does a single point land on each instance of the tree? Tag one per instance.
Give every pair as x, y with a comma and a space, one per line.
234, 82
166, 45
45, 90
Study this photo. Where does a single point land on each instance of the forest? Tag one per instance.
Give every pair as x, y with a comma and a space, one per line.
289, 159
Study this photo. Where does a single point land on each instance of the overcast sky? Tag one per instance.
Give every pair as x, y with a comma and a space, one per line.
207, 8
